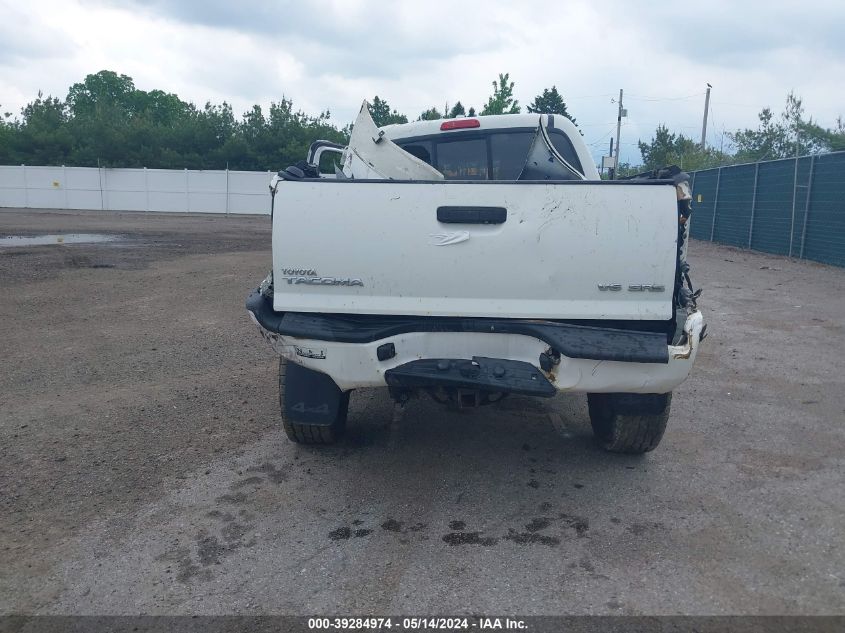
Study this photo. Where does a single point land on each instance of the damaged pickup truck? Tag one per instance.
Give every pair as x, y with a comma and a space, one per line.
473, 258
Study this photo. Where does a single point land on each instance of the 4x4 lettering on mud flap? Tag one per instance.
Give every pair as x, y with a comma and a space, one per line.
300, 407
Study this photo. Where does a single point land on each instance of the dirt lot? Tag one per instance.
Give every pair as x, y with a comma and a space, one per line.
144, 470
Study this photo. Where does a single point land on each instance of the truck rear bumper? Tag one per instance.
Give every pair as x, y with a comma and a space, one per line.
610, 365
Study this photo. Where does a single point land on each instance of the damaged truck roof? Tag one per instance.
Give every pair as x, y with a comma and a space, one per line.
372, 155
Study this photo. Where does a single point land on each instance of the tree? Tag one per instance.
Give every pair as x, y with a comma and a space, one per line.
502, 101
768, 141
624, 169
835, 138
667, 148
456, 111
101, 92
430, 115
44, 136
7, 134
471, 111
106, 120
790, 135
382, 115
550, 102
662, 148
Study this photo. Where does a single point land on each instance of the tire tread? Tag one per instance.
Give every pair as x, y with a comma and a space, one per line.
627, 432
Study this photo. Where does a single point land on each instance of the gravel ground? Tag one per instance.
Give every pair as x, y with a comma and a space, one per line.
144, 470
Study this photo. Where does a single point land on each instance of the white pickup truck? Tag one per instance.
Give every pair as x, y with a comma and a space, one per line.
473, 258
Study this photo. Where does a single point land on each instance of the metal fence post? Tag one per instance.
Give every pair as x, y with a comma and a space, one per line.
147, 189
227, 189
187, 195
753, 203
794, 195
807, 206
100, 178
25, 188
64, 183
715, 204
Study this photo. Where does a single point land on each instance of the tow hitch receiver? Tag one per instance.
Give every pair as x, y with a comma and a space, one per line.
483, 374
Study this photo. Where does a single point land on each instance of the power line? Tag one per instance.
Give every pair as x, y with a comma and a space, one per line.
638, 97
602, 138
596, 124
637, 123
591, 96
641, 98
739, 105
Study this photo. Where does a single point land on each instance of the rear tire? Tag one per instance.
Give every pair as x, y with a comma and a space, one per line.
310, 433
629, 422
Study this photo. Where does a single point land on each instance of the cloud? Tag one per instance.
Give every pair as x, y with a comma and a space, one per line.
735, 34
24, 39
331, 54
355, 38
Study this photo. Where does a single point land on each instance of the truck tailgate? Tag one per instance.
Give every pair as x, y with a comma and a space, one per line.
564, 250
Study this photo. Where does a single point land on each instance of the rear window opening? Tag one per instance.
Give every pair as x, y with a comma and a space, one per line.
493, 155
508, 153
421, 150
463, 160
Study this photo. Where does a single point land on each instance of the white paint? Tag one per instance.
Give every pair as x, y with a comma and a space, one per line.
164, 190
501, 122
560, 241
371, 154
356, 365
454, 237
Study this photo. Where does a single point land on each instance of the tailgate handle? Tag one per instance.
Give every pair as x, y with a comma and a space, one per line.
472, 215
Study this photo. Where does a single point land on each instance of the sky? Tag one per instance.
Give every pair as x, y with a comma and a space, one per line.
332, 54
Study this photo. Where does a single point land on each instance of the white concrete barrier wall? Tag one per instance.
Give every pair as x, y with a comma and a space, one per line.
173, 190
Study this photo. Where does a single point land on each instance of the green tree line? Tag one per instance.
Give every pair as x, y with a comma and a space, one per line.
106, 120
790, 134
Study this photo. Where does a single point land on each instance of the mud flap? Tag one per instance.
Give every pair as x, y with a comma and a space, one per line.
312, 397
639, 403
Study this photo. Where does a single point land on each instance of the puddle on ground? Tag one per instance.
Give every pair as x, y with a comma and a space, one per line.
64, 238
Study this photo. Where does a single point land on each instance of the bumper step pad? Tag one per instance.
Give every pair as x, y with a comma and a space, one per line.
485, 374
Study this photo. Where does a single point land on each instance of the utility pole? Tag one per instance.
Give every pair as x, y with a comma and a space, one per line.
704, 123
610, 172
618, 131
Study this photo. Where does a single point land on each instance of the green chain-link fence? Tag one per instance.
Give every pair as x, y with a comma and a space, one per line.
794, 206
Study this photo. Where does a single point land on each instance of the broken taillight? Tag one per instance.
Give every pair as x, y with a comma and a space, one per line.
458, 124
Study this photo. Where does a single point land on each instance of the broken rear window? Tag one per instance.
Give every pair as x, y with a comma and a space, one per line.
463, 160
469, 156
564, 147
508, 153
420, 149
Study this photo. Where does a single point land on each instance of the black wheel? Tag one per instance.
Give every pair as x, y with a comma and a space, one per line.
629, 422
311, 433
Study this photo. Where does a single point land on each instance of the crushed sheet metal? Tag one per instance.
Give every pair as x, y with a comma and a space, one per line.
445, 239
544, 162
370, 154
693, 330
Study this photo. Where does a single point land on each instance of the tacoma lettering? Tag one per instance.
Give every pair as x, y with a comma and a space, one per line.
325, 281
